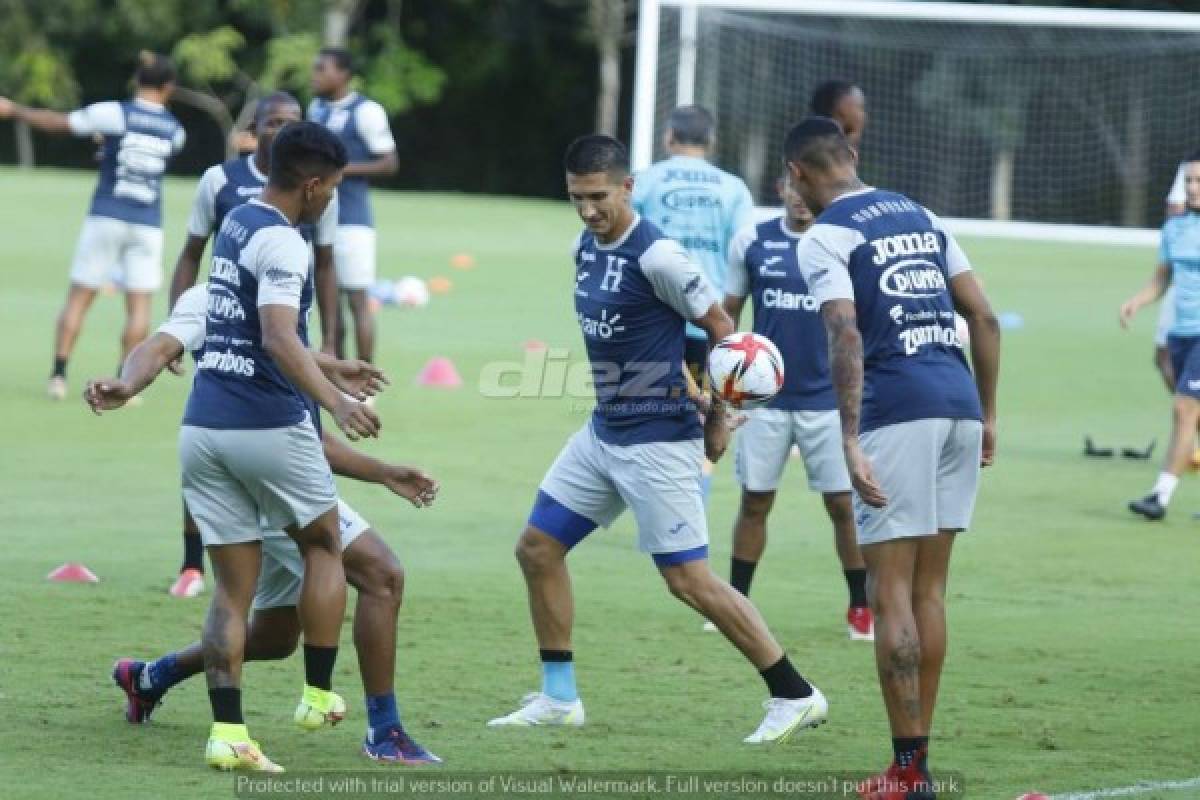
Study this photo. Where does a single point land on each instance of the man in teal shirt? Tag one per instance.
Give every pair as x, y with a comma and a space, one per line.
696, 204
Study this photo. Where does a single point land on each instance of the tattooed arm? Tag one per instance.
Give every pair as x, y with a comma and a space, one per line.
846, 364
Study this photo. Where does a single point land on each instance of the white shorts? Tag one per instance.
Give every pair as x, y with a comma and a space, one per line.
929, 471
591, 483
765, 441
282, 571
354, 256
238, 482
121, 252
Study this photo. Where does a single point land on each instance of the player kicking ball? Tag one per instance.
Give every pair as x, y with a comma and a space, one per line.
274, 627
1178, 255
915, 426
634, 292
762, 265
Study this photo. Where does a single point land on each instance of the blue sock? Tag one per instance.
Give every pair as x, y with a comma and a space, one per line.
558, 676
160, 675
381, 712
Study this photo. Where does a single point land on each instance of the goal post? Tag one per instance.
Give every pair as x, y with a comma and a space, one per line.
1068, 121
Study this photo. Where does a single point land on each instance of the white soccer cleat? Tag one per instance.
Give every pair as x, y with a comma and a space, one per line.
56, 388
709, 627
786, 716
541, 709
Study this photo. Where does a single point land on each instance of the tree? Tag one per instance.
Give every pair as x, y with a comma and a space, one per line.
607, 28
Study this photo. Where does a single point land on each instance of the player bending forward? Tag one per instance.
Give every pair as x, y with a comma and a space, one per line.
634, 291
274, 628
915, 427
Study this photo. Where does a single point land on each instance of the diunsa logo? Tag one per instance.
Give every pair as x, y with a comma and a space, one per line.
687, 199
914, 278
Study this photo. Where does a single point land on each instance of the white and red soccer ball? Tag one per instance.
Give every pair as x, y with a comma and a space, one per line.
745, 370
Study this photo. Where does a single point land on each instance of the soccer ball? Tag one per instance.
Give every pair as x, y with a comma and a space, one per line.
745, 370
411, 292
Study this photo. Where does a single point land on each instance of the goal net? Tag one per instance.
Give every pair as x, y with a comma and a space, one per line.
981, 112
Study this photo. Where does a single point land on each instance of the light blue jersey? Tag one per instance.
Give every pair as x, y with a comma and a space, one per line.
1180, 250
697, 205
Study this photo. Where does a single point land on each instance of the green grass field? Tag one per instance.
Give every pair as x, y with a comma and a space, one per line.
1074, 639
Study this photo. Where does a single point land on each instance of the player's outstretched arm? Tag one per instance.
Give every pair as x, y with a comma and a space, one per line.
408, 482
325, 283
143, 364
972, 304
1148, 294
846, 366
381, 167
283, 344
357, 378
41, 119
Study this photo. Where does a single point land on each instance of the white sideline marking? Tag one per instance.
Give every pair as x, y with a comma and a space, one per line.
1125, 791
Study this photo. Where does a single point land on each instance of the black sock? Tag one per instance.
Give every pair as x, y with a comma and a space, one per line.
741, 573
193, 552
226, 705
318, 666
911, 749
60, 368
856, 580
555, 655
783, 680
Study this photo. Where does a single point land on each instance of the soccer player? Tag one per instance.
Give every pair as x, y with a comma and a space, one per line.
274, 628
634, 291
762, 265
697, 205
123, 228
221, 189
915, 426
362, 126
248, 448
844, 103
1179, 267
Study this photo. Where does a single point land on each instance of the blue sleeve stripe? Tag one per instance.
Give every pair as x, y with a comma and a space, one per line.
682, 557
556, 520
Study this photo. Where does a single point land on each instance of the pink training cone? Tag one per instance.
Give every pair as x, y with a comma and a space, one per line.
73, 573
440, 373
533, 345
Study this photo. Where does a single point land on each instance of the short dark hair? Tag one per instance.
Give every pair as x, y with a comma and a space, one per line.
594, 153
818, 142
826, 97
154, 70
340, 57
272, 100
1195, 156
303, 150
692, 125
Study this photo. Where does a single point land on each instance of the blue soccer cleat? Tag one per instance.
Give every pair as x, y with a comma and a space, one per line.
396, 747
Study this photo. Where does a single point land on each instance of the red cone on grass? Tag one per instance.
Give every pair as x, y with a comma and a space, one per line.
72, 572
440, 373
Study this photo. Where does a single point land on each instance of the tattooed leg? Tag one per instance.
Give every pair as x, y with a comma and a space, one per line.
235, 567
898, 648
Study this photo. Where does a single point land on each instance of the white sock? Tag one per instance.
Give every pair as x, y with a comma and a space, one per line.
1164, 487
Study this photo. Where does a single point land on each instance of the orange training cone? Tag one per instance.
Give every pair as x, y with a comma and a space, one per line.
534, 345
73, 573
462, 261
440, 373
439, 285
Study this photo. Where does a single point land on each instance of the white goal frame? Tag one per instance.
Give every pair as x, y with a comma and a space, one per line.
646, 73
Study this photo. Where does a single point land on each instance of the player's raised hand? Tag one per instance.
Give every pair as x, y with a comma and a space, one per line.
411, 483
106, 394
862, 476
356, 420
989, 444
359, 379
